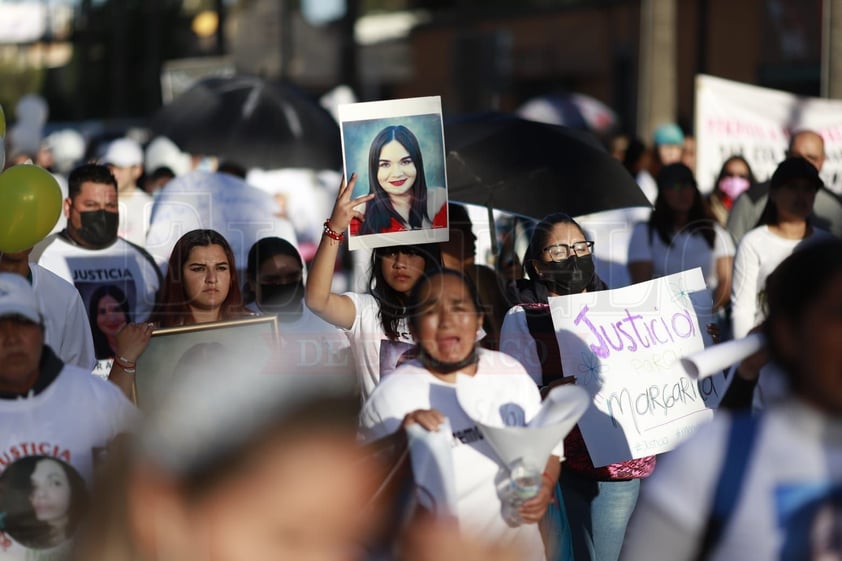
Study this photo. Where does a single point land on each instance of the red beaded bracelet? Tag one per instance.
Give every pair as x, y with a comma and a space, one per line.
331, 233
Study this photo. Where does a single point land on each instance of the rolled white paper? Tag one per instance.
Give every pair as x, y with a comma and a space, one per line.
431, 454
719, 357
564, 405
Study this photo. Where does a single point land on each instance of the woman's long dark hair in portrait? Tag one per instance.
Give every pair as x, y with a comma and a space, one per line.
379, 212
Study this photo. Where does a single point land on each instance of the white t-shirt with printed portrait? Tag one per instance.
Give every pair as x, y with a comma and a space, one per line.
122, 265
375, 355
68, 424
412, 387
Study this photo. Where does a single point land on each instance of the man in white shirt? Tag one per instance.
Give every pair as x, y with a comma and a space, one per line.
57, 419
124, 158
118, 281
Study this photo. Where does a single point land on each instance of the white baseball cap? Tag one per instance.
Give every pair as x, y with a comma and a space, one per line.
17, 298
123, 152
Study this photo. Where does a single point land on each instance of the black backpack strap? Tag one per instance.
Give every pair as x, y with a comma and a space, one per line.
539, 320
742, 435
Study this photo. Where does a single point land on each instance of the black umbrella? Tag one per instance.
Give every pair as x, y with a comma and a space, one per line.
252, 122
533, 169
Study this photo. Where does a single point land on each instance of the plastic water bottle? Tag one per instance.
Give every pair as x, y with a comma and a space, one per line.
524, 483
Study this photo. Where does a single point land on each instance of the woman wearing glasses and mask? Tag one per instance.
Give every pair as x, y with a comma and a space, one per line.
597, 502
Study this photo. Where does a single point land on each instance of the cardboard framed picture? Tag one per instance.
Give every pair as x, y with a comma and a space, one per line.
251, 342
396, 148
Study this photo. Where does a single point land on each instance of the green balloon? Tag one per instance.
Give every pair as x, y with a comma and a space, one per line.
30, 204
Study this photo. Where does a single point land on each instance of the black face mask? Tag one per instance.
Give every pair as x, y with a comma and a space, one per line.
571, 276
99, 227
447, 367
282, 298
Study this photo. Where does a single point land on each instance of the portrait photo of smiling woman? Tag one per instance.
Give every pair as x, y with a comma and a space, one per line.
402, 199
396, 150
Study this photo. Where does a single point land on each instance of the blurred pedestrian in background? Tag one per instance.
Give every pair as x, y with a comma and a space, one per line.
682, 234
249, 467
124, 157
827, 210
735, 178
275, 286
745, 487
784, 227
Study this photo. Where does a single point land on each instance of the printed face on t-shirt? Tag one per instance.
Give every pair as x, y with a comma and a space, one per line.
110, 317
50, 495
43, 497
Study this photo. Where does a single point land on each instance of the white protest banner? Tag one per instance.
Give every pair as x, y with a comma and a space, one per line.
623, 346
735, 118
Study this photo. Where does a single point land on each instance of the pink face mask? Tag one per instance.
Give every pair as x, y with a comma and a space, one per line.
733, 186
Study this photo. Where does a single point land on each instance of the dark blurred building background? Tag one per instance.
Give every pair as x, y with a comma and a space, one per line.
101, 59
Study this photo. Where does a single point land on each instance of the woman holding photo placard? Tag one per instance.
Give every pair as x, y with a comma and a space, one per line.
200, 286
598, 501
402, 200
375, 323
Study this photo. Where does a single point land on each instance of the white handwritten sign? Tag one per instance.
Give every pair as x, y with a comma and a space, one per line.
623, 346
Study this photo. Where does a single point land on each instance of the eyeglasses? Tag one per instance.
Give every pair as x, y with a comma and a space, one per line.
561, 251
